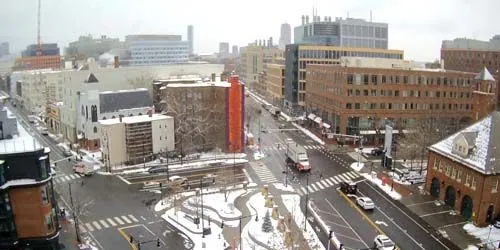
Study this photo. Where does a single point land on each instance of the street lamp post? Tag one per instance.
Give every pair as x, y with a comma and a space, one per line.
202, 221
307, 201
77, 229
286, 166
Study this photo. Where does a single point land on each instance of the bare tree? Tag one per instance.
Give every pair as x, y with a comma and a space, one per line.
409, 152
199, 114
79, 207
144, 80
225, 179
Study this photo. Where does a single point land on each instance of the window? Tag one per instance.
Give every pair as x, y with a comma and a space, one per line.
396, 92
448, 170
453, 173
348, 106
467, 179
350, 79
357, 106
437, 164
45, 195
95, 129
473, 185
93, 113
384, 79
160, 138
494, 187
366, 78
374, 79
42, 163
459, 175
365, 92
49, 222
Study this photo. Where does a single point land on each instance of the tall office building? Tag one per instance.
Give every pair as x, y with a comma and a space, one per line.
234, 51
4, 49
157, 49
350, 32
223, 50
190, 38
285, 35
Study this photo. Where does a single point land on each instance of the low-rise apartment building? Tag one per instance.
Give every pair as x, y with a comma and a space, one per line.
28, 208
135, 139
275, 83
463, 170
355, 100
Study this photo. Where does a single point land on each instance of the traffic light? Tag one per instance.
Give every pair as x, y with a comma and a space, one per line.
330, 235
131, 238
158, 242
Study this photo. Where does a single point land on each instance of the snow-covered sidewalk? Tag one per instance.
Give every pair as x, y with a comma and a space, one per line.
485, 235
386, 188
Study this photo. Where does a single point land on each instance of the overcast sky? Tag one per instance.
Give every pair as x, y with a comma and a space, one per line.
417, 27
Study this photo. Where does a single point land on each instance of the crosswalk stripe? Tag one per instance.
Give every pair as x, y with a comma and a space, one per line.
337, 178
58, 180
299, 192
313, 185
82, 229
67, 178
126, 219
333, 180
324, 183
118, 220
329, 182
345, 175
351, 175
303, 189
133, 218
310, 189
320, 185
96, 225
343, 178
111, 222
89, 227
104, 223
72, 177
355, 174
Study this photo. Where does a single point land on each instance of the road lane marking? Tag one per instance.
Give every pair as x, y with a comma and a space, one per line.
96, 225
345, 221
333, 180
89, 227
350, 175
82, 229
126, 219
133, 218
344, 178
118, 220
314, 187
303, 190
337, 179
430, 214
111, 222
72, 177
104, 223
320, 185
67, 178
132, 245
324, 183
310, 190
329, 182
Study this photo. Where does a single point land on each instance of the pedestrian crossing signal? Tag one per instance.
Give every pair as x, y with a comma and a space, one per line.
158, 242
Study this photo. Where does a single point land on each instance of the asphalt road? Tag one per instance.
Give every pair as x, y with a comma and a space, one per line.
108, 204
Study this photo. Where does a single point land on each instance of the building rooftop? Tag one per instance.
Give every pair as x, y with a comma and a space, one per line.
135, 119
485, 149
21, 142
485, 75
112, 101
223, 84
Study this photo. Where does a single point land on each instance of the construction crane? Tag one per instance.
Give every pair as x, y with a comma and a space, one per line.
38, 40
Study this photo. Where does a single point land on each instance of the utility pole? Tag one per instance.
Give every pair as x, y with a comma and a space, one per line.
77, 230
202, 221
307, 201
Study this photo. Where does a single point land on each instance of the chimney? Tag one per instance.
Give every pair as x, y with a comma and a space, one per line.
117, 62
213, 77
120, 117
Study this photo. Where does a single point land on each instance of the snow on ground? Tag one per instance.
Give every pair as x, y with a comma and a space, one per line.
281, 186
258, 155
386, 188
273, 239
292, 204
168, 201
309, 133
182, 223
357, 166
365, 150
287, 118
483, 234
97, 155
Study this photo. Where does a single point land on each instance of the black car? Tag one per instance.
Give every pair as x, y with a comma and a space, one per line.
377, 151
348, 187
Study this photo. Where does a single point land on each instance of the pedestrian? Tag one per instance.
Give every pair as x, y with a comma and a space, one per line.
321, 176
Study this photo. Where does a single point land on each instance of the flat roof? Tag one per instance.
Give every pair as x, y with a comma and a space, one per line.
134, 119
200, 84
22, 142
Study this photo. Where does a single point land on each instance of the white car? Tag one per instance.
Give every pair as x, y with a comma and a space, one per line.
365, 203
177, 180
382, 242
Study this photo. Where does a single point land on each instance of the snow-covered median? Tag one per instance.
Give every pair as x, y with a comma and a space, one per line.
386, 188
309, 133
357, 166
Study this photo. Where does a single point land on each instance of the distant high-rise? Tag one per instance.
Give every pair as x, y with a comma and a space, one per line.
234, 51
349, 32
157, 49
4, 49
285, 35
223, 50
190, 38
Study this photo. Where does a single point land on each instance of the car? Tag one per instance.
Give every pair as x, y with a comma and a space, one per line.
382, 242
177, 180
365, 203
377, 151
496, 223
44, 131
348, 187
67, 153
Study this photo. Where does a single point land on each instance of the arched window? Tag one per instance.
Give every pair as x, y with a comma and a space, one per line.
86, 112
83, 111
93, 111
95, 129
104, 117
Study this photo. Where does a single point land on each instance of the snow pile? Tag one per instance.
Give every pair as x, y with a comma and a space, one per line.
386, 188
309, 133
292, 204
357, 166
168, 201
287, 118
483, 233
281, 186
220, 209
365, 150
258, 155
253, 230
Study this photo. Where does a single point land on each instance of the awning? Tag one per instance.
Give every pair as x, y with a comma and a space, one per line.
317, 119
382, 131
311, 116
326, 125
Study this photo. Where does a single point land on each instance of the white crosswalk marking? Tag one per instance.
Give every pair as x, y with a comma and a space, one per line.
111, 222
343, 178
354, 174
96, 225
126, 220
264, 174
303, 189
82, 229
310, 189
72, 176
118, 220
320, 185
300, 192
313, 186
333, 180
324, 183
350, 175
133, 218
67, 178
337, 178
104, 223
89, 227
330, 183
58, 180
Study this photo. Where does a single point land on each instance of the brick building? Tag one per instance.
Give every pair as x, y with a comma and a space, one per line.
463, 170
355, 100
28, 207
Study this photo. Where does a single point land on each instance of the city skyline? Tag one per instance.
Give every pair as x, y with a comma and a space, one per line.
418, 32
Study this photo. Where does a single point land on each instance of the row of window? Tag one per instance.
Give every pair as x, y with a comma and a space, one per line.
409, 106
457, 175
335, 54
408, 93
405, 79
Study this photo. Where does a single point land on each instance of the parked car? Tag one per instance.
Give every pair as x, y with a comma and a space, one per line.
496, 223
157, 170
67, 153
377, 151
44, 131
348, 187
177, 180
382, 242
365, 203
